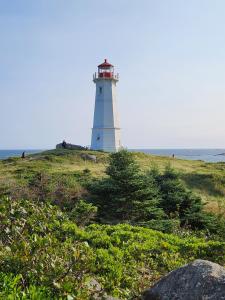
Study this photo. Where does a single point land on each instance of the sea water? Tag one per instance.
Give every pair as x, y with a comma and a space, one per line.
207, 155
12, 153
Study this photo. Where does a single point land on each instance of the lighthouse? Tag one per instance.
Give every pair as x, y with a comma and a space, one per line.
106, 129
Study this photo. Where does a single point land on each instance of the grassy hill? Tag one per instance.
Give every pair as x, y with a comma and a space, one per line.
48, 251
205, 179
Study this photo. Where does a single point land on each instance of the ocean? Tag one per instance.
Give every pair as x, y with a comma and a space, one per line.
11, 153
208, 155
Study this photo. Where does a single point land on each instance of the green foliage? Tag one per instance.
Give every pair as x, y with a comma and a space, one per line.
205, 179
38, 245
39, 186
64, 190
83, 213
126, 194
44, 255
11, 288
178, 201
155, 200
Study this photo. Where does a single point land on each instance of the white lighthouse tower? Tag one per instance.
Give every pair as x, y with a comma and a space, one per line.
106, 129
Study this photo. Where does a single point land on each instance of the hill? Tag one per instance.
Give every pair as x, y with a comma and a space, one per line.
205, 179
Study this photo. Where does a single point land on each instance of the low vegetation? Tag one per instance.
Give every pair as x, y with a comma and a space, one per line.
44, 254
74, 229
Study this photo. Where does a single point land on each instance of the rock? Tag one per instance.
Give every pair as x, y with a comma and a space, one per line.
89, 157
200, 280
70, 146
222, 154
94, 285
107, 297
98, 293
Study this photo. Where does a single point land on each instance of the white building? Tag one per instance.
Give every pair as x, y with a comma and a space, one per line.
106, 129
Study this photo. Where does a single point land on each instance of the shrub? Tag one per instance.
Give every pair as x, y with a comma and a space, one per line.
83, 213
12, 287
177, 201
44, 254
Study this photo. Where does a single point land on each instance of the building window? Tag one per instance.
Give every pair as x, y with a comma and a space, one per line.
100, 90
98, 138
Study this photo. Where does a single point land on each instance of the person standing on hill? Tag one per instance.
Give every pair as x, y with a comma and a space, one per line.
64, 144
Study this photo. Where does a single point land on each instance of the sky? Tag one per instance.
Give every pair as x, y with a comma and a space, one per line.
170, 56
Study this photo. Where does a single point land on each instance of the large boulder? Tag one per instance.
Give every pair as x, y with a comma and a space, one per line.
200, 280
89, 157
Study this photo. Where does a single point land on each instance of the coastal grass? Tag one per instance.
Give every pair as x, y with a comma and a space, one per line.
205, 179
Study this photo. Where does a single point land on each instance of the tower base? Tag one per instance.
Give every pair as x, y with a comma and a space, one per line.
106, 139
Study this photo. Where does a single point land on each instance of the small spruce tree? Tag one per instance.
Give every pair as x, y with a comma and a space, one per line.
126, 194
177, 200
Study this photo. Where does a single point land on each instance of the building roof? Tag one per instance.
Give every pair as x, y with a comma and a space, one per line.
106, 64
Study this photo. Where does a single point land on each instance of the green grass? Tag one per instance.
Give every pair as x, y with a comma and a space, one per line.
205, 179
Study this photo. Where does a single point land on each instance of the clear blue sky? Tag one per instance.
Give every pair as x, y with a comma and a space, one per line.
170, 55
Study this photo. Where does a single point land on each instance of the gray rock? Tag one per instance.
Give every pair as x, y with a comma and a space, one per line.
70, 146
96, 288
107, 297
94, 285
223, 154
200, 280
89, 157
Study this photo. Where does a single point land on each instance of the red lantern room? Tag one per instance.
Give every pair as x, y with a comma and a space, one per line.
105, 71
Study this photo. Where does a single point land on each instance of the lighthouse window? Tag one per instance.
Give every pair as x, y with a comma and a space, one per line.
100, 90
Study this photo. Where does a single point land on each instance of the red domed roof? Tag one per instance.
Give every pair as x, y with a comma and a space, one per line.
105, 64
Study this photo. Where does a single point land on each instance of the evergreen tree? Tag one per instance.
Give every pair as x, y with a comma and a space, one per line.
126, 194
177, 200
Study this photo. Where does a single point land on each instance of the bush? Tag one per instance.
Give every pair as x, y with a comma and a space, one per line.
37, 245
83, 213
177, 201
12, 287
44, 253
